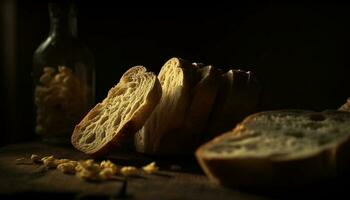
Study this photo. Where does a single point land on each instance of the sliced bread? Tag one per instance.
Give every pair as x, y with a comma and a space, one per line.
279, 148
121, 114
176, 77
203, 97
238, 96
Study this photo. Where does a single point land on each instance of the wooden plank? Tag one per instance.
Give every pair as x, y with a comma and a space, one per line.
178, 178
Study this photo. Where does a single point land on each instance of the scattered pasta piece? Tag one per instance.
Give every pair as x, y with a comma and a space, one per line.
35, 158
89, 169
150, 168
67, 168
129, 171
106, 173
109, 165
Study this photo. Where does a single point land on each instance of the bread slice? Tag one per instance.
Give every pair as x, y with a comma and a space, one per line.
279, 149
188, 136
203, 97
177, 78
238, 97
121, 113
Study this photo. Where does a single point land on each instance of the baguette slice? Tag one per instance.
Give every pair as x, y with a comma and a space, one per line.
120, 115
279, 149
177, 77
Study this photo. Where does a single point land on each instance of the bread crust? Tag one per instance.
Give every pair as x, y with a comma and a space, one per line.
274, 172
131, 126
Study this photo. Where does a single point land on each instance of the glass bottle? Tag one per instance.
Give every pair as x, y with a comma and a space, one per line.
64, 77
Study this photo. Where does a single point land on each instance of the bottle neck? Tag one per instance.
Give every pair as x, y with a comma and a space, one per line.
63, 20
63, 26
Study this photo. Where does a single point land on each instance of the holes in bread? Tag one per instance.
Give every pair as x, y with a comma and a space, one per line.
317, 117
79, 136
91, 138
92, 126
118, 91
94, 113
127, 110
82, 128
103, 120
103, 135
86, 126
117, 121
132, 84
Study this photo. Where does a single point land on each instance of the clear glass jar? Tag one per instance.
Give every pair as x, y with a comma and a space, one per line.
64, 77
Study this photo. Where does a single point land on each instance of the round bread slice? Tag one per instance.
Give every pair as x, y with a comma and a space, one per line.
279, 148
121, 114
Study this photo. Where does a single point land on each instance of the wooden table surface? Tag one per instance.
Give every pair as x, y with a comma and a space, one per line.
178, 178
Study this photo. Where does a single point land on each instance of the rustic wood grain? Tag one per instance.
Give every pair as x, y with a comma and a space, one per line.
178, 178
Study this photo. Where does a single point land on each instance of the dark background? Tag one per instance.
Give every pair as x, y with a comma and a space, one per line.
299, 52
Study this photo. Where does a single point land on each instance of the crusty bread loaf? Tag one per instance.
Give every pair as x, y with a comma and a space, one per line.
121, 113
279, 148
238, 97
177, 77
